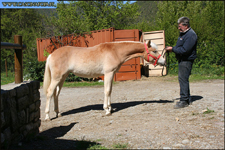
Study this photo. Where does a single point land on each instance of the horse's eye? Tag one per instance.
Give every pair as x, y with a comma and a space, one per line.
154, 51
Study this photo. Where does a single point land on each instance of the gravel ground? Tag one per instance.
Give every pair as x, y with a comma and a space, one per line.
143, 117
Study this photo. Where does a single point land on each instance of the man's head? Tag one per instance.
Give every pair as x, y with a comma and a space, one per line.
183, 24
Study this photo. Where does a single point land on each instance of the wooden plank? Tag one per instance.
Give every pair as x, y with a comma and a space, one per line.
155, 68
157, 72
158, 41
118, 34
155, 32
125, 76
153, 36
160, 47
126, 39
125, 68
131, 61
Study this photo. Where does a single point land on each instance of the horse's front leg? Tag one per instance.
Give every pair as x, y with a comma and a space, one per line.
108, 78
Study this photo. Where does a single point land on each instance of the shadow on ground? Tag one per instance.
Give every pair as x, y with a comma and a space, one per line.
116, 106
120, 106
50, 140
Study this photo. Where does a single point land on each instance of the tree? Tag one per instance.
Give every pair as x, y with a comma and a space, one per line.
83, 16
25, 22
207, 20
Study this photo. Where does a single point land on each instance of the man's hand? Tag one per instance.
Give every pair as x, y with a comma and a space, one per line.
169, 49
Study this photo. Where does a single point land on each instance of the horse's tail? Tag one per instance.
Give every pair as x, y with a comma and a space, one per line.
47, 76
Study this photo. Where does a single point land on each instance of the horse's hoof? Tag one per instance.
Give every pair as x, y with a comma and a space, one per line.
108, 113
58, 115
47, 119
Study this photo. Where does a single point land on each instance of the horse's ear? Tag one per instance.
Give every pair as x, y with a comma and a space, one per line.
149, 43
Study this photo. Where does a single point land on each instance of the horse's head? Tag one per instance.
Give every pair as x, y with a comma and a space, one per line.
152, 55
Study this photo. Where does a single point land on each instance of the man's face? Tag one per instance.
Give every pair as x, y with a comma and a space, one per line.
182, 28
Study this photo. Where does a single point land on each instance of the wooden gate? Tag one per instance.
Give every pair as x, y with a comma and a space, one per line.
131, 69
158, 37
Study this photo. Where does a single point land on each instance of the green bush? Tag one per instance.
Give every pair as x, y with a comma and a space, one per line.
34, 70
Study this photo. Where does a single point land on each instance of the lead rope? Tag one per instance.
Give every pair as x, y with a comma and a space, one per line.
163, 55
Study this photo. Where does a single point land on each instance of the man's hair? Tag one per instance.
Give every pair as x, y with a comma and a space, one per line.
184, 21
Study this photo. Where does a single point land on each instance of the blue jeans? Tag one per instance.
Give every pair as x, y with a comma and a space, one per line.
184, 71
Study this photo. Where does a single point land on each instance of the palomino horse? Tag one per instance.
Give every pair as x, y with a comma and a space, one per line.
103, 59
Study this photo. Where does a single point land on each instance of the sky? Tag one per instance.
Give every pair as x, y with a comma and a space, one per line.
22, 4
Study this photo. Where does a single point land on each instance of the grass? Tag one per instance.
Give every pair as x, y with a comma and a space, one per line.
174, 78
97, 146
9, 79
208, 111
195, 77
198, 77
120, 146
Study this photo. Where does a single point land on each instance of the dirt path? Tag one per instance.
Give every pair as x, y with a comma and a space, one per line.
143, 117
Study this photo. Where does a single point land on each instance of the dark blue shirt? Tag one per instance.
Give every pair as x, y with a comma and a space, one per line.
185, 48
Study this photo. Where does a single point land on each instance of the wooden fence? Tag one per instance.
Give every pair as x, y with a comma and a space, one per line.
130, 70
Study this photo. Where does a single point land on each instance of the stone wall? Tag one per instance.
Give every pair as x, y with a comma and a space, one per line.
20, 113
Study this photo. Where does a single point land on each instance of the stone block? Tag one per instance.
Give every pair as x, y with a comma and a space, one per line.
2, 120
22, 117
4, 97
14, 120
31, 93
23, 102
17, 138
2, 104
11, 103
8, 134
31, 116
36, 85
2, 138
32, 108
28, 128
12, 92
37, 124
37, 105
36, 96
7, 116
37, 115
22, 90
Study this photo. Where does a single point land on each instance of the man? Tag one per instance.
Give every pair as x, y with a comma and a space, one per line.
185, 51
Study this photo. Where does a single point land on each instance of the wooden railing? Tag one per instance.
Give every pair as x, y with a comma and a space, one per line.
18, 55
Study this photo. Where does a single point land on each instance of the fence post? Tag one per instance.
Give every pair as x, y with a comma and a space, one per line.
18, 55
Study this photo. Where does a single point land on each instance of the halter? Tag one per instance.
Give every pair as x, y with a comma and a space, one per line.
156, 58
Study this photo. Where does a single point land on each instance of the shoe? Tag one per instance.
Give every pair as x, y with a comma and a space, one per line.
190, 101
181, 104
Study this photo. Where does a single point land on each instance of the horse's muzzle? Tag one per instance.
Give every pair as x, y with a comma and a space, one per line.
161, 61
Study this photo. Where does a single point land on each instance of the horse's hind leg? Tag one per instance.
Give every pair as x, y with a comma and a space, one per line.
56, 98
50, 92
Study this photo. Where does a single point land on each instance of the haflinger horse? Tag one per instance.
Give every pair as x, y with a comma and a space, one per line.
89, 62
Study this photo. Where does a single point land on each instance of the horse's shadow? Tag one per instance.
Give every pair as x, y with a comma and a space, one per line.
116, 106
120, 106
